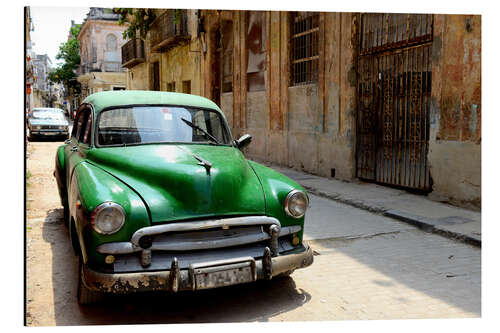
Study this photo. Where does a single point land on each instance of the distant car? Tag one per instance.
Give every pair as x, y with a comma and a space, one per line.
158, 196
47, 122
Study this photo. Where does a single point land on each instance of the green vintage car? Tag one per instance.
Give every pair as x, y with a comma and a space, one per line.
158, 196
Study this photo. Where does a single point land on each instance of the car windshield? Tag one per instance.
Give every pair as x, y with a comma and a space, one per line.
48, 114
161, 124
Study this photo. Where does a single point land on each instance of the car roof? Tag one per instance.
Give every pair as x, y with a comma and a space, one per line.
106, 99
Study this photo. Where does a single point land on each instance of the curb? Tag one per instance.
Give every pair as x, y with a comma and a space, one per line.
426, 225
347, 201
420, 222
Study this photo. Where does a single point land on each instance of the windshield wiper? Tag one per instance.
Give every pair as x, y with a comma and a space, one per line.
208, 135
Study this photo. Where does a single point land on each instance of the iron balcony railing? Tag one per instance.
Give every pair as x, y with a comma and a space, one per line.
169, 29
133, 52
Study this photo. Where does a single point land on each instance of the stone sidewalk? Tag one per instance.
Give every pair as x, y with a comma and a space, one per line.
436, 217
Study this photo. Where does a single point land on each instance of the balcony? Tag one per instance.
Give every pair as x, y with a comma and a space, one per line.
168, 30
132, 53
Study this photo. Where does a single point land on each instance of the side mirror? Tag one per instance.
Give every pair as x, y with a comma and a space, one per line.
243, 141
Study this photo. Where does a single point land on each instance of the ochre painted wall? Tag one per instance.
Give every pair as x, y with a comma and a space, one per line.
455, 144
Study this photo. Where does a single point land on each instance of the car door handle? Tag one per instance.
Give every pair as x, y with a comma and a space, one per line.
74, 148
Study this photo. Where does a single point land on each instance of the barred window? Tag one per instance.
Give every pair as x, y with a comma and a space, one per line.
304, 51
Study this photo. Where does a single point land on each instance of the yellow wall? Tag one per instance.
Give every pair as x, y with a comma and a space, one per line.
138, 77
178, 65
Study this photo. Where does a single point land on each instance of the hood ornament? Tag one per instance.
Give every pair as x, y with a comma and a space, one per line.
204, 163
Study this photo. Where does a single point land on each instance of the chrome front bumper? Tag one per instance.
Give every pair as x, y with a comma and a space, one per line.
177, 279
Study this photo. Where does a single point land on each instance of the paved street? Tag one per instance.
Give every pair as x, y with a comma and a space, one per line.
366, 266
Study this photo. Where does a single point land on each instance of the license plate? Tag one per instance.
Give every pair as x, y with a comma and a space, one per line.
221, 276
50, 133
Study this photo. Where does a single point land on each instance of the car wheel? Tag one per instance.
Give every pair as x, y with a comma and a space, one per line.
73, 237
66, 215
84, 295
30, 137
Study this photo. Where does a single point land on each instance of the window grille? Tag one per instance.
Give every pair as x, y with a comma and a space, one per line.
304, 55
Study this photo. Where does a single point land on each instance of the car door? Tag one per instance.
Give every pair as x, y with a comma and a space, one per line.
76, 150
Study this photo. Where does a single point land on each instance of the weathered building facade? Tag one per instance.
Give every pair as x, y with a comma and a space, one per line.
42, 87
170, 58
389, 98
100, 40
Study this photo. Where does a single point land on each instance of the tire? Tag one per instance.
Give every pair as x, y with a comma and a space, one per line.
84, 295
73, 237
66, 215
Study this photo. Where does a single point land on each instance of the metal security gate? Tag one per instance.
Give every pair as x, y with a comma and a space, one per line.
394, 87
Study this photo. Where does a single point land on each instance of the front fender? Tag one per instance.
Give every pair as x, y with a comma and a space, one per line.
276, 187
93, 186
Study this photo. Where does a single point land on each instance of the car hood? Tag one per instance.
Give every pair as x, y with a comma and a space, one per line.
175, 187
57, 122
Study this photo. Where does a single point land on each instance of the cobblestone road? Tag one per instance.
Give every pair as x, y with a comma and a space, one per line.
367, 267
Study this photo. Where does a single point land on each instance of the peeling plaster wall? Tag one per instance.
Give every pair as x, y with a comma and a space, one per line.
256, 124
455, 124
177, 65
304, 127
137, 77
226, 105
456, 171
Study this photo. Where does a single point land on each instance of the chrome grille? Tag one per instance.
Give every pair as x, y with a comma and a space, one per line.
180, 239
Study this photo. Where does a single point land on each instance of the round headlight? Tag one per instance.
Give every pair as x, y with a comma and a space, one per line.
296, 203
107, 218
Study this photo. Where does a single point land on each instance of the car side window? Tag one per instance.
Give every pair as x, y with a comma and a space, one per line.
77, 130
88, 128
82, 125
